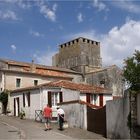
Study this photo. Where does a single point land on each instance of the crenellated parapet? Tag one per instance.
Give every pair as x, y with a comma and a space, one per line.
78, 40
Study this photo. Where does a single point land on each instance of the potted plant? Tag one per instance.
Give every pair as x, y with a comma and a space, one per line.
22, 114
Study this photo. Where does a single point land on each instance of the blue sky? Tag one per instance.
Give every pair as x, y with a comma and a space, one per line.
34, 29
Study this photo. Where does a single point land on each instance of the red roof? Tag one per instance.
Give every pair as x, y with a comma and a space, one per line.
83, 88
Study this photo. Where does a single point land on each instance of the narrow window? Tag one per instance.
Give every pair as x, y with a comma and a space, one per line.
35, 82
18, 82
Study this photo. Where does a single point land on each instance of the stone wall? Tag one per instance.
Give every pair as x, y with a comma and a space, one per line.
117, 112
111, 77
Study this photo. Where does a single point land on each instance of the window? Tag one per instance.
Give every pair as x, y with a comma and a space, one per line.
26, 99
18, 82
35, 82
54, 98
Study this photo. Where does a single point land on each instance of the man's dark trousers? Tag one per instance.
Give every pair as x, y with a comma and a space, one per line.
61, 121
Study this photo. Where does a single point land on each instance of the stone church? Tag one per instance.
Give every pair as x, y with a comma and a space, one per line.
83, 55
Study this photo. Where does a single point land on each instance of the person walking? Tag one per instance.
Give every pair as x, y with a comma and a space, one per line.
61, 115
47, 113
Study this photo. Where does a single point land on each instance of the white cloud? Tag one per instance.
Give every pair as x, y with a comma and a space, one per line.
121, 43
8, 15
118, 44
13, 47
35, 33
99, 5
128, 6
46, 11
21, 3
80, 17
44, 58
54, 7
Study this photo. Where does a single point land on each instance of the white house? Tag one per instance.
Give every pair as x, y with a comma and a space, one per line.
35, 98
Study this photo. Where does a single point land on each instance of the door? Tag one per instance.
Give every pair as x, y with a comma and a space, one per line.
96, 120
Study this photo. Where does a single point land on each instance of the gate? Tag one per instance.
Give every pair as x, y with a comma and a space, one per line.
96, 120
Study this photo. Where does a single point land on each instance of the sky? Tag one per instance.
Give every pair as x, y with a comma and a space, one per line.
33, 29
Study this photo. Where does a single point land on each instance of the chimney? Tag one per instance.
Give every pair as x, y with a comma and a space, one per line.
33, 67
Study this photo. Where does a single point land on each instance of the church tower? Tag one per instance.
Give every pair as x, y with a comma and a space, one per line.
80, 54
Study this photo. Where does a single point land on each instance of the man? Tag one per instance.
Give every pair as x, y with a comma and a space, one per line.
48, 116
61, 114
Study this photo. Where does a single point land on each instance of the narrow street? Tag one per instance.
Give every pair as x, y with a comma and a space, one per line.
15, 128
8, 132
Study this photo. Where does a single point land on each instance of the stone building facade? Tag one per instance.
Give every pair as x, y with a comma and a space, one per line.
14, 75
83, 55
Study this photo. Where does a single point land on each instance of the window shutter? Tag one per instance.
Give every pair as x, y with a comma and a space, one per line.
23, 99
101, 99
88, 98
28, 98
49, 99
60, 97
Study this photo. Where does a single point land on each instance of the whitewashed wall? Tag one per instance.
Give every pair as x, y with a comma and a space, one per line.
76, 115
117, 112
34, 103
83, 97
107, 98
69, 95
1, 81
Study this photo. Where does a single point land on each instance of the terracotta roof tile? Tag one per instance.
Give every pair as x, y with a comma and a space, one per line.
83, 88
27, 66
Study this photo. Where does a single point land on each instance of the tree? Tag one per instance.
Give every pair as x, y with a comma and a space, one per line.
4, 100
132, 71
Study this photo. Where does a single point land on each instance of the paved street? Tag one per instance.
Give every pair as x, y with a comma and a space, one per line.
8, 132
15, 128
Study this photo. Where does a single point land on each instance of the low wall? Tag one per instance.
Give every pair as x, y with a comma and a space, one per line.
116, 116
75, 114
